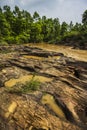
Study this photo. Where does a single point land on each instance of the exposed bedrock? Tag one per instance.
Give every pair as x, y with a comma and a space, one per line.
58, 103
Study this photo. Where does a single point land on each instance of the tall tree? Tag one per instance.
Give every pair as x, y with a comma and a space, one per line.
18, 21
35, 33
56, 29
84, 17
71, 26
64, 28
4, 25
36, 17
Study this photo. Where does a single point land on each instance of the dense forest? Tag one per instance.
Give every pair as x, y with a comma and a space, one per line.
19, 26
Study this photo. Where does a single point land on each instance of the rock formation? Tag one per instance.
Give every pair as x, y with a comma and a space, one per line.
60, 101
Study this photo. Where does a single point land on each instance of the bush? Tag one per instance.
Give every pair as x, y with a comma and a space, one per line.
10, 40
3, 43
22, 38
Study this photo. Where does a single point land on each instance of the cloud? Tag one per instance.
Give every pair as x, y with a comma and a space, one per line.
65, 10
7, 2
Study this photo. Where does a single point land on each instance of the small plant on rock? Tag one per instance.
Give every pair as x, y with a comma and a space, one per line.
29, 86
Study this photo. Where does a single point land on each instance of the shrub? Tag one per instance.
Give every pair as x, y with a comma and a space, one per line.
30, 86
22, 38
10, 40
2, 41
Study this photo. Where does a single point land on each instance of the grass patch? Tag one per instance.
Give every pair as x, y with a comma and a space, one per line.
30, 86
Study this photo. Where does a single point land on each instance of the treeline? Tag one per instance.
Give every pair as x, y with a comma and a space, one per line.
19, 26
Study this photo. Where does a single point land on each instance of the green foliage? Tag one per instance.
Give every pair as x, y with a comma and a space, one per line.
36, 16
18, 26
72, 35
3, 42
32, 85
35, 34
84, 17
10, 40
64, 27
22, 38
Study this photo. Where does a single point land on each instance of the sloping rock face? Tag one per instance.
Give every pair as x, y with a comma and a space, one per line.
60, 102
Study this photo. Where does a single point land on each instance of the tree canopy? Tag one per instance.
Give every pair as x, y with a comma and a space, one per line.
19, 26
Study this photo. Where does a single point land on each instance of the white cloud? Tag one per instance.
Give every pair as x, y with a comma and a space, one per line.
60, 0
65, 10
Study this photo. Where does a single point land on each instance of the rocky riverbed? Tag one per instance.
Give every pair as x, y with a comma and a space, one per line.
59, 101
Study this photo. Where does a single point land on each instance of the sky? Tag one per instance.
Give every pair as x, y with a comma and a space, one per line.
65, 10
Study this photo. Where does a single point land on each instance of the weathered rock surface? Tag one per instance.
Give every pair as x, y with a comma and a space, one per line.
63, 90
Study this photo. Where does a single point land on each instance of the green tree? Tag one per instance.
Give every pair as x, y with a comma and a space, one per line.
71, 26
64, 28
35, 34
84, 17
4, 25
18, 22
56, 29
47, 29
77, 27
36, 17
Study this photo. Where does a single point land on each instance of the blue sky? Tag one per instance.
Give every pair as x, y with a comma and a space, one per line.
65, 10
